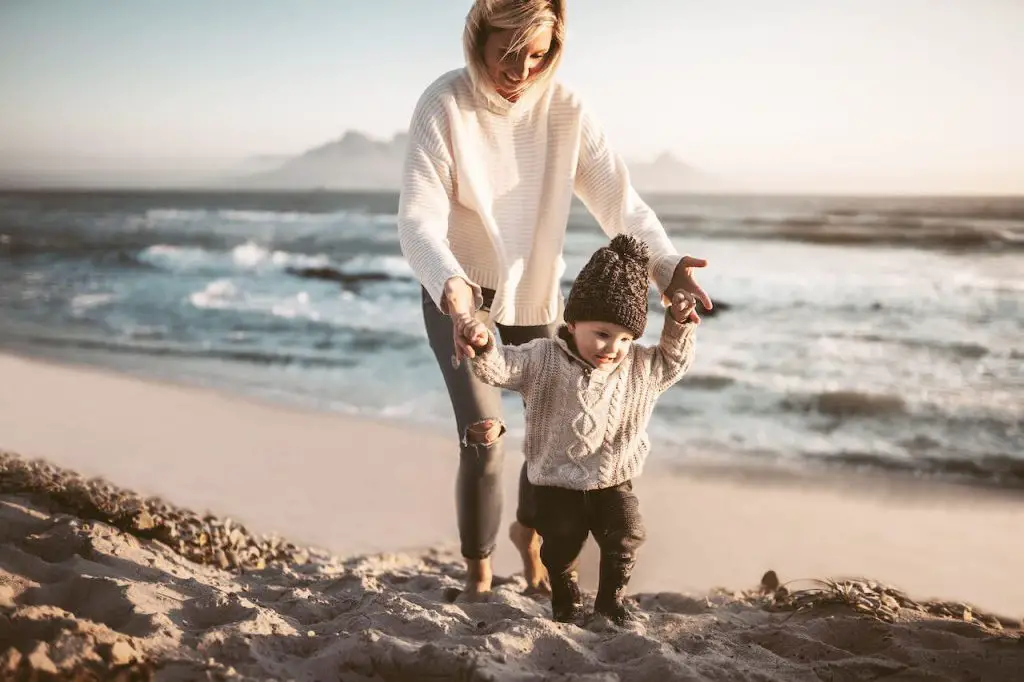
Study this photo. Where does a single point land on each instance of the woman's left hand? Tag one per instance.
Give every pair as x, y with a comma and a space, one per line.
683, 279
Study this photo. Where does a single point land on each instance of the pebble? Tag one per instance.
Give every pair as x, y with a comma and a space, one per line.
122, 653
10, 660
39, 659
204, 539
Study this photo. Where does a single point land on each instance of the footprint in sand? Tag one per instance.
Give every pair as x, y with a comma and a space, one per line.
62, 541
101, 600
213, 610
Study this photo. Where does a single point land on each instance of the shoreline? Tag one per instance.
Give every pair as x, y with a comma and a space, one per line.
360, 575
356, 485
739, 469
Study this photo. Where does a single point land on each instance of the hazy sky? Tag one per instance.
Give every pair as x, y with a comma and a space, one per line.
904, 95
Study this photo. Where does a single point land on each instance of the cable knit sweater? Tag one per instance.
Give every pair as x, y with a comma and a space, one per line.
487, 187
586, 428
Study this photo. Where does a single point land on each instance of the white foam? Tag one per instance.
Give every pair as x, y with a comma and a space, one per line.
393, 266
218, 295
84, 302
178, 258
249, 256
294, 307
179, 216
285, 259
174, 215
279, 216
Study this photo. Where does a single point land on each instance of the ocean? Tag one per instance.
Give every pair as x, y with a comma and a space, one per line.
856, 332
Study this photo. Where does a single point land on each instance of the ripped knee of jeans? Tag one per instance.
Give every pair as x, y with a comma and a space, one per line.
484, 432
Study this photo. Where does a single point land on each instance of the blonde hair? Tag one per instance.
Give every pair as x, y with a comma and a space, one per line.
525, 18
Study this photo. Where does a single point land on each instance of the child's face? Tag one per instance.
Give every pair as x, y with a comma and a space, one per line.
603, 344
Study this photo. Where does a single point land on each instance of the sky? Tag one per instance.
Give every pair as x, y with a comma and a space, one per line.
832, 95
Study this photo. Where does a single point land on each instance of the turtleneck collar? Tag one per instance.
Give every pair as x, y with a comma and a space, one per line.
485, 92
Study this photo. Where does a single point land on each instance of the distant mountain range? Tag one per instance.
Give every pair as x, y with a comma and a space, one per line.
358, 162
354, 161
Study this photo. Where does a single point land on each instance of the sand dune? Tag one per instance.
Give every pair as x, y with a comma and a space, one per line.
84, 598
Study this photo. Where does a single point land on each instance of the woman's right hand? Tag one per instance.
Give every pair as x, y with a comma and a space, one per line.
460, 303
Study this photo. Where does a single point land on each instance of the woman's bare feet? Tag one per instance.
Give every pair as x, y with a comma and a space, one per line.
527, 541
478, 578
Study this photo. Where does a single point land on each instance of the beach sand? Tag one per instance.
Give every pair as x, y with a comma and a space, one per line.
103, 590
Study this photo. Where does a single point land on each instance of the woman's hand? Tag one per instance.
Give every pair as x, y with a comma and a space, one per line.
683, 280
684, 307
460, 302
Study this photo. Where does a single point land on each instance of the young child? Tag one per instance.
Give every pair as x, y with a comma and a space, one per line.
589, 395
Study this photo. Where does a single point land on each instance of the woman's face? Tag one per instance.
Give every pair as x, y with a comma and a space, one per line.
511, 72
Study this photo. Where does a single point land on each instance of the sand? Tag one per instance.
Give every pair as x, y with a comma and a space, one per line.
81, 593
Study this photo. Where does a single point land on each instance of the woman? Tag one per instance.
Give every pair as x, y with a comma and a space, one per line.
496, 151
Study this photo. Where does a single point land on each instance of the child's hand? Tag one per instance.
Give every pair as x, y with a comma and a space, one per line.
684, 307
475, 333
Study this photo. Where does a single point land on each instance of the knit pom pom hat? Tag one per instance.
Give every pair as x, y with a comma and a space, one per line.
612, 287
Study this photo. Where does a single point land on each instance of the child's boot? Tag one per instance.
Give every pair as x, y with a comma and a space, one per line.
566, 599
615, 573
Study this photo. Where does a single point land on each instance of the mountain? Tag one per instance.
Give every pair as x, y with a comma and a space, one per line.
354, 162
666, 174
357, 162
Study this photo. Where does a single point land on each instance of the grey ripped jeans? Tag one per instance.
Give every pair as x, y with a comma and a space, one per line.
478, 490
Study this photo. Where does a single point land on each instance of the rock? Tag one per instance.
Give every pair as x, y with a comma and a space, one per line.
39, 659
6, 596
719, 307
10, 660
143, 520
121, 653
70, 649
769, 582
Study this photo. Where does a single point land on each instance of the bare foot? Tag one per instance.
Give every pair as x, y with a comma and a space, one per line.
527, 541
478, 578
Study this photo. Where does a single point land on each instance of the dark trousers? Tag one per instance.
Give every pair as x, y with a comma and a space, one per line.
478, 489
566, 517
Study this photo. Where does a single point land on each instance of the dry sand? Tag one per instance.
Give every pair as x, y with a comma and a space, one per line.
83, 586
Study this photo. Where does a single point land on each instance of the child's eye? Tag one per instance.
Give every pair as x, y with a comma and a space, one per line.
602, 335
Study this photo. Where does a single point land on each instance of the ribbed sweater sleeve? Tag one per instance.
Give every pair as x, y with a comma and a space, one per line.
425, 202
604, 187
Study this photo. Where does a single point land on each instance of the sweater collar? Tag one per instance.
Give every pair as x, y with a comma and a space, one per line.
484, 90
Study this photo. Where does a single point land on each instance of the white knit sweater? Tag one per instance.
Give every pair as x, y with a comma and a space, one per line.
487, 188
586, 428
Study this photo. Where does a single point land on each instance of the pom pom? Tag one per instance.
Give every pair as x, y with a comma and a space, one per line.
629, 247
